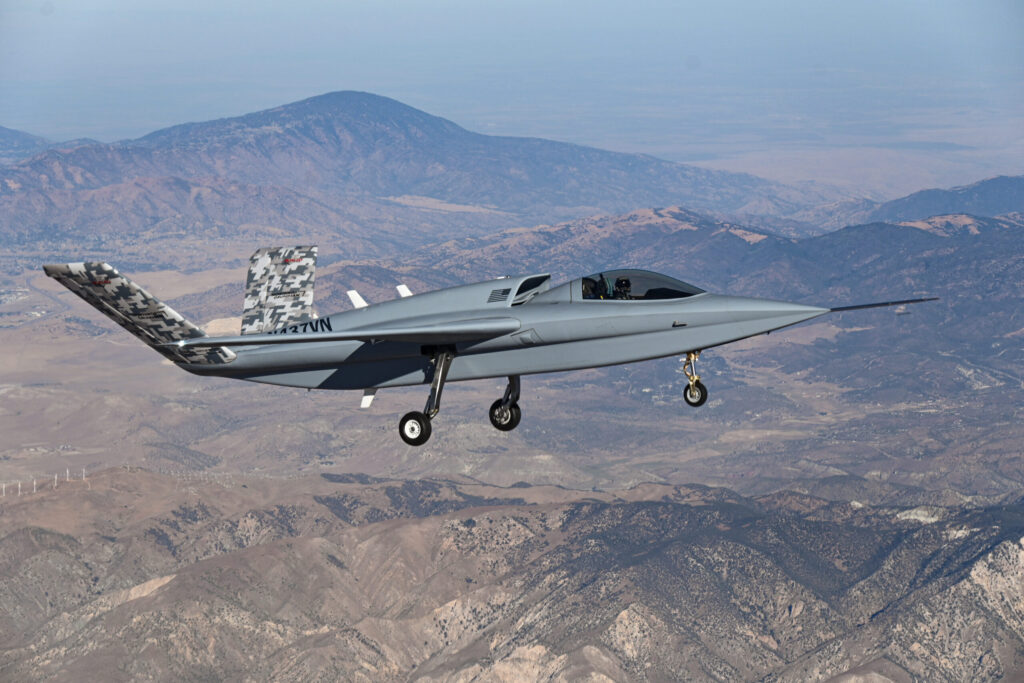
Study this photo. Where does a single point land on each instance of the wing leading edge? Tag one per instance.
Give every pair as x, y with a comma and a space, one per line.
444, 333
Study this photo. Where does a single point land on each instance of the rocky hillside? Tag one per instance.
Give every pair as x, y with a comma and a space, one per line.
133, 575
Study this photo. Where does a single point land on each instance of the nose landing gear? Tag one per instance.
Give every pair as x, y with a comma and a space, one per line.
695, 393
504, 412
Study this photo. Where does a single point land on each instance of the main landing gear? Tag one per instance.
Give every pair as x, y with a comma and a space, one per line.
695, 393
414, 427
504, 412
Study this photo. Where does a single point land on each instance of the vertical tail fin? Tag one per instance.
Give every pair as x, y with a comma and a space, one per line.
136, 310
279, 288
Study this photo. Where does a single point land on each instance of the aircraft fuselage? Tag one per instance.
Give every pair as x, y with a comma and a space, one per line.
555, 336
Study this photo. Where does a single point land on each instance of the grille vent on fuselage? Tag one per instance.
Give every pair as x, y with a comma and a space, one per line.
498, 295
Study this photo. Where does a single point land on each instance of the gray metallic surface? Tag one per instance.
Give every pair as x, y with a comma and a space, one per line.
553, 335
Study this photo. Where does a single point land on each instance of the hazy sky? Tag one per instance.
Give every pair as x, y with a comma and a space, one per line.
813, 89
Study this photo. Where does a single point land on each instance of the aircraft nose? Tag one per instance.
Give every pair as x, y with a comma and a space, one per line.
781, 312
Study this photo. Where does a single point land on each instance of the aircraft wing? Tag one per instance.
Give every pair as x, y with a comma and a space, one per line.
441, 333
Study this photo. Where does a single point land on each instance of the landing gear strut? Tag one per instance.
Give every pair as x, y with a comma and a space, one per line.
695, 393
504, 412
414, 427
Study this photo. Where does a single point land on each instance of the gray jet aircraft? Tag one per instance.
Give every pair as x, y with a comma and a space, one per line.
506, 327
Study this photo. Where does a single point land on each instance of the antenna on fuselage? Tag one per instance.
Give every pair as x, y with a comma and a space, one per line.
357, 301
367, 399
403, 291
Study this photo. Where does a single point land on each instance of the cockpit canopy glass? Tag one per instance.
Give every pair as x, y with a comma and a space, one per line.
635, 285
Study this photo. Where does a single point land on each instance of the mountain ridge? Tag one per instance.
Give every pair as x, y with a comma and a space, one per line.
17, 145
358, 148
988, 198
352, 107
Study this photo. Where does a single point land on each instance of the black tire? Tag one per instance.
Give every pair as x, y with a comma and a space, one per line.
506, 421
696, 394
414, 428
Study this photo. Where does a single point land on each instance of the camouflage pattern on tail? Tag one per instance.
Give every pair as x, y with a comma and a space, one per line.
279, 288
136, 310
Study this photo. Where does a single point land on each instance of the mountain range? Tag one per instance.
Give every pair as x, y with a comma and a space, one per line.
346, 166
846, 505
339, 161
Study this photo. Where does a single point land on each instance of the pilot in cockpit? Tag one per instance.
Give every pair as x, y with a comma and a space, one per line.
622, 288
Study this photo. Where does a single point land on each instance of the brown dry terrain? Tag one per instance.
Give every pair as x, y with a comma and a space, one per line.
868, 522
131, 575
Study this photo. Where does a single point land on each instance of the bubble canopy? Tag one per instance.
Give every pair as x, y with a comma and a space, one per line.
635, 285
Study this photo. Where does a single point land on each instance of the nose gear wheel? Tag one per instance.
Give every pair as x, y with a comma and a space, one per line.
695, 393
